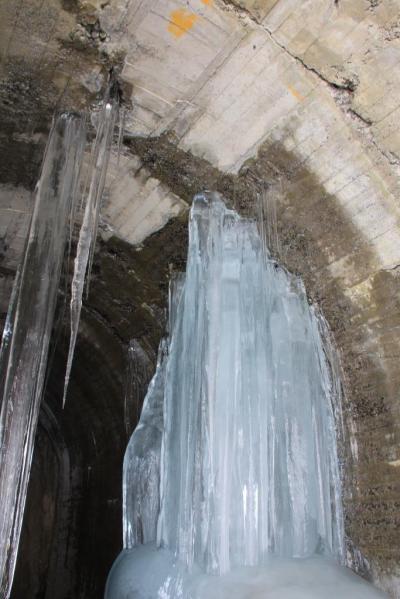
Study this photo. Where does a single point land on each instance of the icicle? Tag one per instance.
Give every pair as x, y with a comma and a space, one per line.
77, 192
268, 220
108, 119
176, 284
28, 328
261, 222
141, 473
139, 370
121, 126
88, 232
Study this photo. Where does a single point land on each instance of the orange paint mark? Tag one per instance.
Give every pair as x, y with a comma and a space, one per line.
208, 2
181, 21
295, 93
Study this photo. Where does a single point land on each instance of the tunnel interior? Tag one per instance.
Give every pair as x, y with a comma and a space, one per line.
299, 101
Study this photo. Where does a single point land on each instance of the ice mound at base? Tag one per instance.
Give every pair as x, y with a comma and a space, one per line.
146, 572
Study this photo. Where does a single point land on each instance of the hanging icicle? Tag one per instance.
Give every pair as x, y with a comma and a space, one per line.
142, 463
139, 370
28, 328
107, 119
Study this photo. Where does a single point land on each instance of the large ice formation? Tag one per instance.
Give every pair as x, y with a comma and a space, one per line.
233, 470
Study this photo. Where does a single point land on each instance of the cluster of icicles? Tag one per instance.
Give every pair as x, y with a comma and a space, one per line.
232, 473
68, 193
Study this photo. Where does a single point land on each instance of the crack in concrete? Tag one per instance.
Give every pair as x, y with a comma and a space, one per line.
342, 93
365, 120
349, 85
395, 267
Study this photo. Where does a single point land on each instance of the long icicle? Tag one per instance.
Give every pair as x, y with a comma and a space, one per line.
88, 232
26, 336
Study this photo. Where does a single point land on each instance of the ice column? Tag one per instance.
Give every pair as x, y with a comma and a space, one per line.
28, 327
249, 460
239, 417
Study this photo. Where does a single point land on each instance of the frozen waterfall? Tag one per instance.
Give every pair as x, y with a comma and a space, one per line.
232, 471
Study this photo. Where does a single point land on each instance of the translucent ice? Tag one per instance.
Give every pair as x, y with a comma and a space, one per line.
249, 460
88, 231
249, 476
139, 370
29, 323
141, 474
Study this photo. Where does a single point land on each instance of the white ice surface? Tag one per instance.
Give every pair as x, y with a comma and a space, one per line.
249, 463
149, 573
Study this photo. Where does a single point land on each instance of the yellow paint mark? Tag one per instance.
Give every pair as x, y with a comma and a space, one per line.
208, 2
181, 21
295, 93
395, 463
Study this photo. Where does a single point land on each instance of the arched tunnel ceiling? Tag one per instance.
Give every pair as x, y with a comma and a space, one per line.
300, 97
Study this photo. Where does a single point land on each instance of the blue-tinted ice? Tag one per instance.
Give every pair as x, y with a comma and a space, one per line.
233, 469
